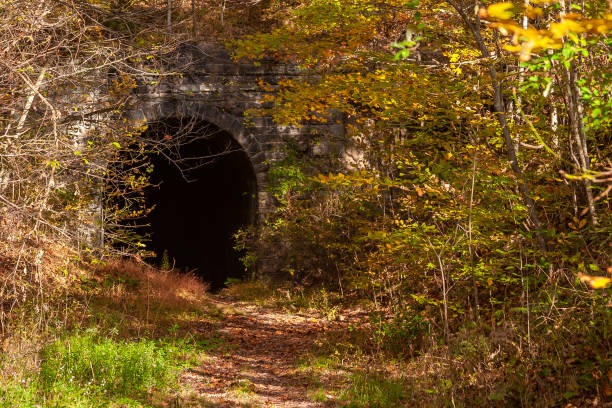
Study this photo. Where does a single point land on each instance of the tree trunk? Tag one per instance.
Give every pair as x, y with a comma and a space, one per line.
575, 113
193, 21
169, 17
502, 119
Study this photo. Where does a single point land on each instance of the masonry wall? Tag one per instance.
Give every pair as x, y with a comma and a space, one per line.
202, 82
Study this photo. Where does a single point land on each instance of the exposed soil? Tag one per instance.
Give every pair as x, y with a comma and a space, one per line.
259, 366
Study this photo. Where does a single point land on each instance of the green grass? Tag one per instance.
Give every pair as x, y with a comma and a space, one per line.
122, 348
318, 395
18, 394
107, 366
287, 297
243, 387
373, 391
85, 370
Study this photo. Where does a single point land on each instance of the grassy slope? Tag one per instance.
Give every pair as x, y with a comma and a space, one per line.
107, 335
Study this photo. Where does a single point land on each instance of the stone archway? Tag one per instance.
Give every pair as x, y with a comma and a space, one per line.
203, 82
200, 199
158, 110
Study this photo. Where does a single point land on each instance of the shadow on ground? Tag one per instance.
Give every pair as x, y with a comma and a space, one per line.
259, 368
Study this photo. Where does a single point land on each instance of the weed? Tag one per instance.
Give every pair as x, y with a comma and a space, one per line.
319, 395
243, 387
289, 297
18, 394
100, 364
373, 391
250, 291
108, 367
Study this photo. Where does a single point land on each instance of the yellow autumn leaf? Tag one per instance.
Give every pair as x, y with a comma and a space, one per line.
533, 12
455, 57
513, 48
558, 30
574, 26
600, 282
601, 26
525, 54
595, 282
502, 11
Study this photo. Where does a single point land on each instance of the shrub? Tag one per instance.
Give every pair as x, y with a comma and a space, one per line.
403, 332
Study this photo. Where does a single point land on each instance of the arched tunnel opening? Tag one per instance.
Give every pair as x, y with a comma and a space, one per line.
203, 191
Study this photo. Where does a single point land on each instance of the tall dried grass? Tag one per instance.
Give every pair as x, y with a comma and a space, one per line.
166, 289
133, 299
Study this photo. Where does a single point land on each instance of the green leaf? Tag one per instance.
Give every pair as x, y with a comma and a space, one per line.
547, 89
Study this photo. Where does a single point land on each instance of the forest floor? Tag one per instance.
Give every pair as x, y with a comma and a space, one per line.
127, 336
259, 362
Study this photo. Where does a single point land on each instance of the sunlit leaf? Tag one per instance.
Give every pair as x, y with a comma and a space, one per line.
595, 282
533, 12
502, 11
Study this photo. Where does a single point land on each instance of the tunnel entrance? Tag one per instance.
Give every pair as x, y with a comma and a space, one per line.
203, 191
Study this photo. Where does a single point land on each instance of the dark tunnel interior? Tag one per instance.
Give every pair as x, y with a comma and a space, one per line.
199, 199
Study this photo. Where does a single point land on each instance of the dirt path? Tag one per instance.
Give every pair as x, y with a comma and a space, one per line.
259, 366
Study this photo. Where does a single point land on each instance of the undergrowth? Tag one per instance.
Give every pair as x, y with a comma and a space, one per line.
288, 297
116, 334
380, 358
370, 391
88, 370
